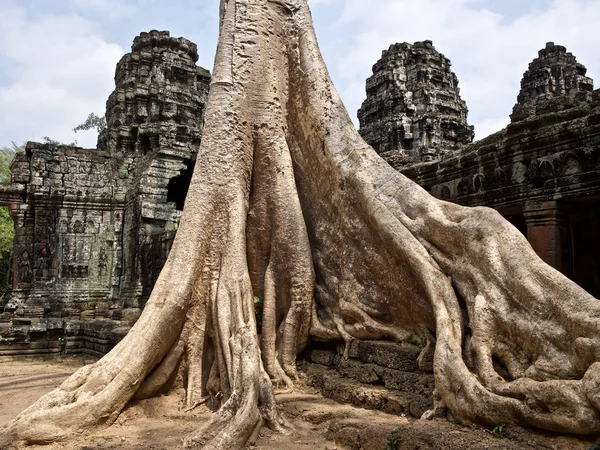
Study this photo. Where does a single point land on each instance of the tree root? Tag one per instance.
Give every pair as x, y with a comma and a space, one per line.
289, 204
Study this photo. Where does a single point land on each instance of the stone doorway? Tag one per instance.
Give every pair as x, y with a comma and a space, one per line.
179, 185
584, 231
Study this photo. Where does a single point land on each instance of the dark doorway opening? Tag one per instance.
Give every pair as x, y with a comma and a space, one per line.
584, 223
518, 221
179, 185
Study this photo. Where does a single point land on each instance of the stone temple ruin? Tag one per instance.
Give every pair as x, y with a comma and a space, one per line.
94, 226
413, 111
542, 172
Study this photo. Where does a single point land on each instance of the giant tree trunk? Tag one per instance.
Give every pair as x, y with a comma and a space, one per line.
288, 204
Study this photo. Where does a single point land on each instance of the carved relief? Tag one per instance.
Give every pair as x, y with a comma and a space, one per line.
24, 267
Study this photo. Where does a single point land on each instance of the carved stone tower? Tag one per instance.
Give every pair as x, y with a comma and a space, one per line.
554, 77
413, 111
93, 227
158, 98
154, 123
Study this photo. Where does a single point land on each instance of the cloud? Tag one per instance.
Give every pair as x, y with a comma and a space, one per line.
57, 60
113, 9
489, 50
56, 71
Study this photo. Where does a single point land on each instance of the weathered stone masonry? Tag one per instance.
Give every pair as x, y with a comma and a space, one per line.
154, 114
94, 227
542, 172
413, 111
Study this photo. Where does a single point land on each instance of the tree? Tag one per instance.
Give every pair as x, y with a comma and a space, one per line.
288, 204
7, 154
7, 228
54, 143
93, 122
7, 235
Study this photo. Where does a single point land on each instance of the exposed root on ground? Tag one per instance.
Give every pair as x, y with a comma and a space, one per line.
289, 205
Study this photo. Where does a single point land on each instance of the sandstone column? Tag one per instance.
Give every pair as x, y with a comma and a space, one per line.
547, 232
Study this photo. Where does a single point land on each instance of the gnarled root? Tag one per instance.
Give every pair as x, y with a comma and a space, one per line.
286, 202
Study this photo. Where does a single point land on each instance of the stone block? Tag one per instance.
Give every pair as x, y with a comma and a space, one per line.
158, 211
40, 326
343, 390
117, 334
36, 181
73, 327
87, 315
324, 357
55, 323
5, 329
416, 382
385, 353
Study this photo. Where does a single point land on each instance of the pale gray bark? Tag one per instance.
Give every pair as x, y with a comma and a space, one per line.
289, 204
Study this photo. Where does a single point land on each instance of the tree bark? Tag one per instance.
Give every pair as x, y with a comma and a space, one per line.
290, 205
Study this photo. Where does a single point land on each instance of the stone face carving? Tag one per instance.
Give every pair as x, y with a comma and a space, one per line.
413, 111
94, 227
554, 79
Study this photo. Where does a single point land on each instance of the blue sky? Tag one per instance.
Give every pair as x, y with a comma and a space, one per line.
57, 57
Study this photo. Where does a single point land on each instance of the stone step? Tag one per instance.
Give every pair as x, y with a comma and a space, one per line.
387, 420
405, 401
385, 353
398, 356
96, 337
376, 375
385, 364
375, 433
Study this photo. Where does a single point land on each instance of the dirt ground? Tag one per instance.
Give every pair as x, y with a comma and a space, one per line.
318, 423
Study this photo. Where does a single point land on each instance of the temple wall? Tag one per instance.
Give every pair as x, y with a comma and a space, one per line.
542, 174
67, 232
94, 227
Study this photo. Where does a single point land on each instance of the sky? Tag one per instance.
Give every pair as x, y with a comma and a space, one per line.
57, 57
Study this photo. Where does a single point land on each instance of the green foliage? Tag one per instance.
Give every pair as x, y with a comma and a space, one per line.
93, 122
7, 229
4, 167
52, 143
392, 440
7, 234
498, 431
7, 154
62, 345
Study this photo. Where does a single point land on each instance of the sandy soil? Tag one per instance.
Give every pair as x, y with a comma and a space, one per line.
156, 423
159, 423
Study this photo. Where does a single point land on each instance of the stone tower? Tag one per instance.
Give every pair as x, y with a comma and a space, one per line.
553, 77
159, 95
413, 111
93, 227
154, 123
